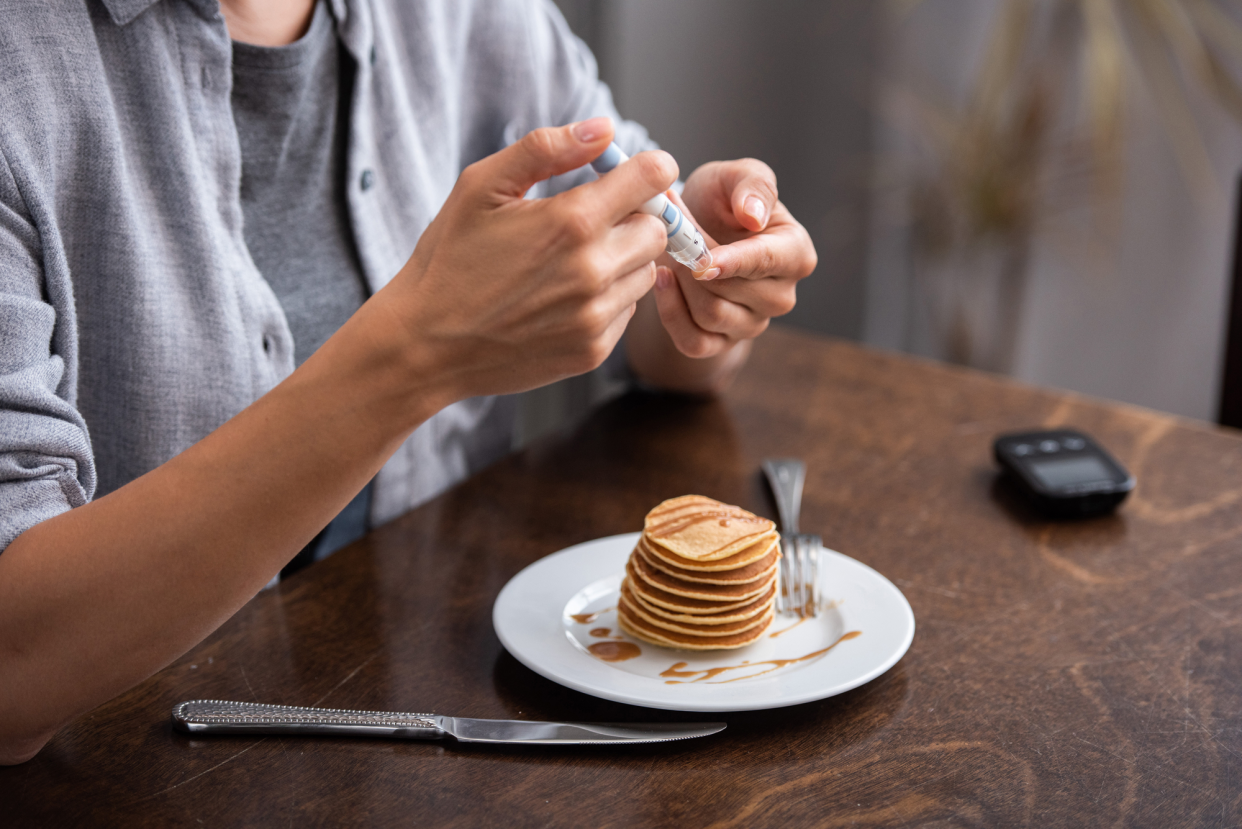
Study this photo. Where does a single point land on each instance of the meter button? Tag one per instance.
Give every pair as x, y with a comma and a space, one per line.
1048, 446
1023, 449
1074, 444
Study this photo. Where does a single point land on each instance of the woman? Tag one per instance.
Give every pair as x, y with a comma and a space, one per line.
254, 255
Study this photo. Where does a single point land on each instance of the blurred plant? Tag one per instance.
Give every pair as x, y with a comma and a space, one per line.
1053, 85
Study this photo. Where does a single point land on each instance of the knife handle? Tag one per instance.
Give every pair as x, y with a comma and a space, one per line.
213, 716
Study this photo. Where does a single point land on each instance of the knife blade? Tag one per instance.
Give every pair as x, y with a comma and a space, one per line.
213, 716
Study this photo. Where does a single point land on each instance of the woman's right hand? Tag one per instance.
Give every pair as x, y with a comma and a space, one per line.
505, 293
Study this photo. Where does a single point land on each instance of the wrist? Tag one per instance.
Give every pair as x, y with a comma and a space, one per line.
383, 372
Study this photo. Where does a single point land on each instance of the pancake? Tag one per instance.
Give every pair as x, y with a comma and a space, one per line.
635, 610
681, 604
703, 576
749, 611
638, 569
703, 529
759, 568
640, 629
752, 553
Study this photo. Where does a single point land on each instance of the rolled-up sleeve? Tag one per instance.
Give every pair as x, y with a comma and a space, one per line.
46, 465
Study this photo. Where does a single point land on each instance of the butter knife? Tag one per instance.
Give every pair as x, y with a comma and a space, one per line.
213, 716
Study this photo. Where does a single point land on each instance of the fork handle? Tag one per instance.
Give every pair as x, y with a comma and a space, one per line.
786, 476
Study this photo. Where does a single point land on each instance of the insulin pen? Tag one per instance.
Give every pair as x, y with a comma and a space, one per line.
685, 243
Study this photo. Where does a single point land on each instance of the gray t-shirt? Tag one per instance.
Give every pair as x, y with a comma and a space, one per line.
291, 107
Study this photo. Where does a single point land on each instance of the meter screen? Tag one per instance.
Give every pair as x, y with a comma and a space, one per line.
1061, 472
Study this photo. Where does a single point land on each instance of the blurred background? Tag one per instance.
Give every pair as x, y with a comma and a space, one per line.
1043, 188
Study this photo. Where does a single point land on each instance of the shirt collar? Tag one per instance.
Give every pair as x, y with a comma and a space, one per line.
123, 11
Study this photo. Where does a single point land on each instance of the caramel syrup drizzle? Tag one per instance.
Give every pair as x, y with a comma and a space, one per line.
615, 651
791, 627
673, 526
661, 529
587, 618
683, 677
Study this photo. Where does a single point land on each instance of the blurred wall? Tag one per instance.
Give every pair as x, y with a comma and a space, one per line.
1142, 323
785, 81
795, 83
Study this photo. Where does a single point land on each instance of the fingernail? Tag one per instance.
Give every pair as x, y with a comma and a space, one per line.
710, 273
591, 129
755, 209
664, 277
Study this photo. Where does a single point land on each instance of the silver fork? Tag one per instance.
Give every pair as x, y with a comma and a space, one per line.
798, 593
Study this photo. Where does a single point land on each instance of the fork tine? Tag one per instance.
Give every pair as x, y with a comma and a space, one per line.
785, 579
791, 592
797, 586
804, 576
780, 580
815, 547
797, 602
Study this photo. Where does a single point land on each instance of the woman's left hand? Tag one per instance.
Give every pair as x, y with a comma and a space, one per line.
759, 253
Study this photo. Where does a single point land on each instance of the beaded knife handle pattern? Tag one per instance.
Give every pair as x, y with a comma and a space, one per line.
213, 716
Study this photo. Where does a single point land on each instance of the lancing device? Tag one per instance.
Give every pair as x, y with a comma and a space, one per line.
685, 243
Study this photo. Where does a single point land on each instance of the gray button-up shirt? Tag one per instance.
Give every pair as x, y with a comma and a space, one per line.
132, 319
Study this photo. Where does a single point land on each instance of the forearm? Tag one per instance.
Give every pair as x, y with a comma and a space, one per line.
98, 598
655, 359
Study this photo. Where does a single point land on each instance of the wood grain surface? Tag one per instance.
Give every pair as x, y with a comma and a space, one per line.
1062, 674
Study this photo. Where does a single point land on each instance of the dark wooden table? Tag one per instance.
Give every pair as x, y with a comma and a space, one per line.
1062, 674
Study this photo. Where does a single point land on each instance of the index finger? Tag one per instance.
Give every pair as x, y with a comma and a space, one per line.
626, 188
784, 249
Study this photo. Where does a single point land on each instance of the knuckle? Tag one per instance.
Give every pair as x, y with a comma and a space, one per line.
764, 176
768, 263
756, 265
810, 261
657, 236
590, 355
597, 352
779, 298
593, 273
702, 173
657, 168
714, 315
697, 346
579, 225
649, 276
540, 143
593, 318
786, 302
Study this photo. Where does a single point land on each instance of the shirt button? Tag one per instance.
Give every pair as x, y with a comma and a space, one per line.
267, 343
372, 55
367, 181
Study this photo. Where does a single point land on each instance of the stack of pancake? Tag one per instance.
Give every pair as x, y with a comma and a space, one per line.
702, 577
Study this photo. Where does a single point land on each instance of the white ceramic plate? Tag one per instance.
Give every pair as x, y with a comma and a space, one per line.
551, 614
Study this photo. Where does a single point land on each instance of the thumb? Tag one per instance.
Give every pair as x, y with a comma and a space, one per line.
752, 188
543, 153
